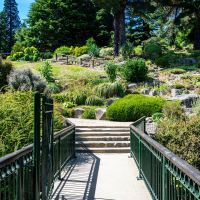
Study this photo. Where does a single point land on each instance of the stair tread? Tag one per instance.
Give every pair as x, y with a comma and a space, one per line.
99, 142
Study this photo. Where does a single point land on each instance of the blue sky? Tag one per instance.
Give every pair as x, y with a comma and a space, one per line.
23, 7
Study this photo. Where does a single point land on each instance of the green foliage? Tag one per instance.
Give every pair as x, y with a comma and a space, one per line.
105, 52
5, 70
47, 55
93, 49
89, 113
196, 107
46, 71
107, 90
179, 86
60, 97
181, 137
94, 101
80, 98
63, 50
157, 117
135, 70
169, 59
133, 107
152, 49
53, 88
111, 70
16, 121
173, 110
26, 80
79, 51
69, 105
138, 51
127, 50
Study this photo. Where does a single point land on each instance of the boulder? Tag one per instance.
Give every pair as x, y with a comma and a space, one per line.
176, 92
111, 100
78, 112
146, 91
188, 61
100, 113
154, 93
85, 57
149, 120
132, 86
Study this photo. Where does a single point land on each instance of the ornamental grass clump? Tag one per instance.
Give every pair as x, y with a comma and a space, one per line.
133, 107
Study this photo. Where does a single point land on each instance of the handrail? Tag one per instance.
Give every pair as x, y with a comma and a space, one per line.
167, 176
188, 169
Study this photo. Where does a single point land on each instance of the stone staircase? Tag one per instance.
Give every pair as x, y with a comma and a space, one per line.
103, 139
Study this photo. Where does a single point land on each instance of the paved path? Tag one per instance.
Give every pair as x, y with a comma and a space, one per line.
89, 122
101, 177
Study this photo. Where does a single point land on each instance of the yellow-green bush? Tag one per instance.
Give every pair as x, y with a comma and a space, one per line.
78, 51
133, 107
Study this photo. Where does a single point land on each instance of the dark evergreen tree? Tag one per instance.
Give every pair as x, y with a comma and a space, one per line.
12, 22
2, 32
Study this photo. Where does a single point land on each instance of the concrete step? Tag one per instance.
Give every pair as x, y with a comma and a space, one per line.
103, 150
102, 138
125, 127
100, 144
111, 134
102, 129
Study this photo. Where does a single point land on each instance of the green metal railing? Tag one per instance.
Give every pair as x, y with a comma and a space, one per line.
167, 176
22, 173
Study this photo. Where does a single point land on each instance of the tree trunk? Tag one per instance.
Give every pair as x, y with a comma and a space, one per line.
119, 28
197, 34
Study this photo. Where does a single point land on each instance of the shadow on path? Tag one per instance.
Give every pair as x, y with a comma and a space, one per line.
79, 178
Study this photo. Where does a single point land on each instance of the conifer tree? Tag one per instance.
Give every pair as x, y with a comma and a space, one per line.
11, 13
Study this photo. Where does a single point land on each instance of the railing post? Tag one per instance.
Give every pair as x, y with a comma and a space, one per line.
59, 157
164, 189
19, 180
140, 158
36, 147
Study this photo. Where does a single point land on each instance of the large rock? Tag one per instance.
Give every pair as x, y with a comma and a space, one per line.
146, 91
187, 100
78, 112
85, 57
111, 100
100, 113
154, 93
176, 92
132, 86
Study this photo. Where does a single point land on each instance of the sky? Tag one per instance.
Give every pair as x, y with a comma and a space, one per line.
23, 7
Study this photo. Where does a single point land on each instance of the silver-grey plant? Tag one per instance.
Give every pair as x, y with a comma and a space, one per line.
26, 80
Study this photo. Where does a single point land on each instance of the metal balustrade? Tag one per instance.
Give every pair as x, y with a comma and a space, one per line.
167, 176
29, 174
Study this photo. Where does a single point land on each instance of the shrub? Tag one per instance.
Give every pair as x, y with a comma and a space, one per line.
196, 107
127, 50
152, 49
26, 80
108, 90
63, 50
157, 116
138, 50
54, 88
177, 71
46, 71
26, 57
80, 98
181, 137
94, 101
133, 107
16, 121
179, 86
35, 57
17, 56
69, 105
79, 51
111, 70
61, 97
47, 55
93, 49
135, 70
104, 52
173, 110
5, 70
89, 113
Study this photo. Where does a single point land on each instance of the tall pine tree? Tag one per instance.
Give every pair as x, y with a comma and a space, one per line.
12, 22
2, 32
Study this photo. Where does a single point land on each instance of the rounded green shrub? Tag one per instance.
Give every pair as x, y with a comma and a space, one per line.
62, 50
135, 70
178, 71
54, 88
79, 51
94, 101
133, 107
152, 49
80, 98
